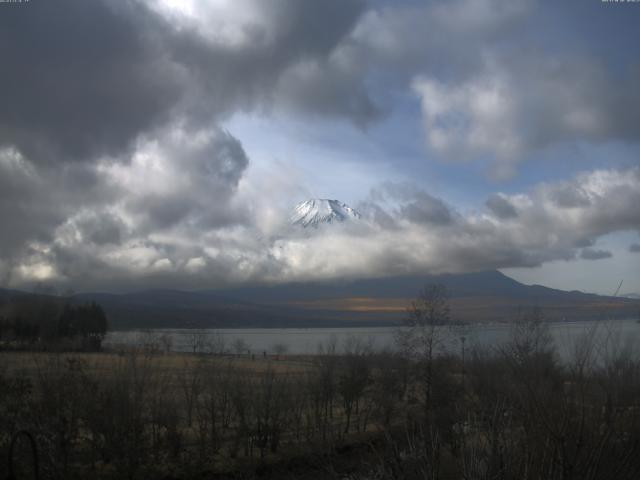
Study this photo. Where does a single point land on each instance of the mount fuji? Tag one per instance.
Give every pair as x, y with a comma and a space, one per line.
318, 211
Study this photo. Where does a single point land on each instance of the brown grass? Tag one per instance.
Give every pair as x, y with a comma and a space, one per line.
27, 363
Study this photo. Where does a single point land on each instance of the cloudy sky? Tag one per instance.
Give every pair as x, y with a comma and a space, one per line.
163, 143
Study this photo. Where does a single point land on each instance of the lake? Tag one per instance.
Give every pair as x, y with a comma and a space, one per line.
616, 333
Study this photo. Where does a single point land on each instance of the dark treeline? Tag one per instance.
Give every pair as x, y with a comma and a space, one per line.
514, 412
46, 321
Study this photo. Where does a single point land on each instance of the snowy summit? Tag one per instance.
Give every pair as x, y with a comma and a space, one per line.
319, 211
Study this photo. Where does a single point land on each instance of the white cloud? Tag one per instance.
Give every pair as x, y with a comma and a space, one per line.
227, 23
512, 107
472, 119
405, 230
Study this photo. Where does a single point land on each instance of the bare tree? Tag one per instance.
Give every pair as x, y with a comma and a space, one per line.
424, 333
166, 342
190, 380
280, 349
197, 339
216, 343
355, 377
213, 408
240, 346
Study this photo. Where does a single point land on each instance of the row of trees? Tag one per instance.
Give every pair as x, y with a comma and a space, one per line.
201, 341
28, 320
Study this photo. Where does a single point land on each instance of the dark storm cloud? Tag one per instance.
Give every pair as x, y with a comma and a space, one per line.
569, 197
228, 77
162, 211
450, 34
492, 84
634, 248
82, 78
501, 207
584, 242
517, 105
427, 209
591, 254
101, 228
109, 128
377, 214
34, 200
199, 173
85, 78
329, 89
311, 27
222, 160
414, 204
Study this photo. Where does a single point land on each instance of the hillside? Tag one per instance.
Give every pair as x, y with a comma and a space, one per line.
475, 297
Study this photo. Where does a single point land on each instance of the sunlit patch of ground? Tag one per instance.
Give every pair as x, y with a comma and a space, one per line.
485, 308
356, 304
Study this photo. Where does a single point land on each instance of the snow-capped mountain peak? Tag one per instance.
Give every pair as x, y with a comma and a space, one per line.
317, 211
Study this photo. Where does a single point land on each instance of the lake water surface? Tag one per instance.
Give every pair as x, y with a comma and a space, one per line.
616, 333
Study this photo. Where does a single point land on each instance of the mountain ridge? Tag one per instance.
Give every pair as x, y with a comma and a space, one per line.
488, 296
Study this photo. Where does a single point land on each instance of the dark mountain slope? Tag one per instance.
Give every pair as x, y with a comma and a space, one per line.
475, 297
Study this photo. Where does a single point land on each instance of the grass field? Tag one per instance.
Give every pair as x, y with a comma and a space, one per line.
506, 413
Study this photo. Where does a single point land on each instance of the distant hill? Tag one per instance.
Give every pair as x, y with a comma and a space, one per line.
475, 297
181, 309
487, 283
487, 296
